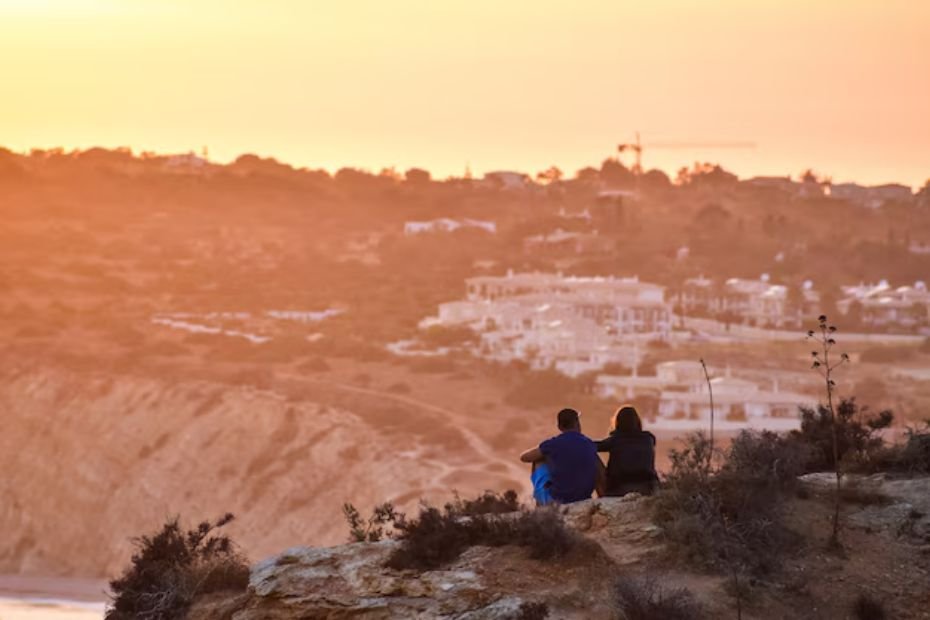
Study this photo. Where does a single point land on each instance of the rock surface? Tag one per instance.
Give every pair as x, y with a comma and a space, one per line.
350, 581
900, 505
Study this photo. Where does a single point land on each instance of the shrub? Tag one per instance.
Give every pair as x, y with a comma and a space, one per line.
438, 537
910, 457
376, 526
771, 458
865, 607
170, 569
645, 599
488, 503
729, 518
532, 611
857, 434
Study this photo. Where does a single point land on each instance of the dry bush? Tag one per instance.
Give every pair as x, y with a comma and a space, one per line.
866, 607
531, 611
487, 503
912, 456
645, 599
172, 568
857, 434
379, 525
732, 517
437, 537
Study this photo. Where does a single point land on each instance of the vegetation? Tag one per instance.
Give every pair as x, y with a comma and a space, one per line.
865, 607
173, 567
532, 611
645, 599
857, 435
730, 518
438, 536
822, 364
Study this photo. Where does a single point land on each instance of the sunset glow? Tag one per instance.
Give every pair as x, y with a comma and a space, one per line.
838, 86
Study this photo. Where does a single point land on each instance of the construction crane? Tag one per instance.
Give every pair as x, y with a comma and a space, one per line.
637, 148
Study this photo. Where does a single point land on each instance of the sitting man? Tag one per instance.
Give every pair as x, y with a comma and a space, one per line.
566, 467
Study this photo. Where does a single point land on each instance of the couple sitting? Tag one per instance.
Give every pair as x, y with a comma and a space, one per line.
566, 468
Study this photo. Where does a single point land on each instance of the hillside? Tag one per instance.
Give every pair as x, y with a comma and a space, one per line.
181, 342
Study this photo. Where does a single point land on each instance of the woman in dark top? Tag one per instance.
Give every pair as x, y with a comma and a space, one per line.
631, 466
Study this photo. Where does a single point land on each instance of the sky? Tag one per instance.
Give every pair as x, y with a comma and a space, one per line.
842, 87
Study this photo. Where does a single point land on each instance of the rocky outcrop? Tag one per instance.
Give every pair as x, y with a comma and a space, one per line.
881, 502
350, 581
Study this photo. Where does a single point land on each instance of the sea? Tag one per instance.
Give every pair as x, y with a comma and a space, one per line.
49, 609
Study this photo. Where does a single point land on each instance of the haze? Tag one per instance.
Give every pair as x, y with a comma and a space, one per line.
838, 86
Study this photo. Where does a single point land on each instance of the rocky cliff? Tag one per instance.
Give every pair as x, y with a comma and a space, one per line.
351, 581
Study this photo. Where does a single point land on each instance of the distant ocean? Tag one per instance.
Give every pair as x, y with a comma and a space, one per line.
49, 609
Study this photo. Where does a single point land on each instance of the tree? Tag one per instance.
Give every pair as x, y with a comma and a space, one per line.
417, 176
588, 175
550, 175
616, 175
706, 175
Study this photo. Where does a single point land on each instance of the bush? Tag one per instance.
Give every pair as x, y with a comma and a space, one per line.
644, 599
858, 439
910, 457
375, 527
768, 457
172, 568
488, 503
438, 537
866, 607
532, 611
731, 517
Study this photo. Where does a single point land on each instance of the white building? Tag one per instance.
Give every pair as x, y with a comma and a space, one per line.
881, 305
505, 179
573, 324
872, 197
447, 225
735, 400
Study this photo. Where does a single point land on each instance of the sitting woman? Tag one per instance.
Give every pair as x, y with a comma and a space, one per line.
631, 466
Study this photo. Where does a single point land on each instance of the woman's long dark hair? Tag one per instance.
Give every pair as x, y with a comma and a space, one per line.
627, 420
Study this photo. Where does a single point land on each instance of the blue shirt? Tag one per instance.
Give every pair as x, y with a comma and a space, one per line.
572, 460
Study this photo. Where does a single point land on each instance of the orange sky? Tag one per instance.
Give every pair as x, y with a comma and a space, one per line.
843, 87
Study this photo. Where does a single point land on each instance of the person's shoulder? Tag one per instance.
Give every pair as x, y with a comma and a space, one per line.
650, 436
548, 443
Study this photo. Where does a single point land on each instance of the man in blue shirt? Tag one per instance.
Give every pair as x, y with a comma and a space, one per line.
565, 467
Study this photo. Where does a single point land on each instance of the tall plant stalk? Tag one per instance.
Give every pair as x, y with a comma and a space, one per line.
710, 391
825, 368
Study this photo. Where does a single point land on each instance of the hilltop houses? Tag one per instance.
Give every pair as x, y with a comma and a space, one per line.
573, 324
871, 197
881, 305
754, 302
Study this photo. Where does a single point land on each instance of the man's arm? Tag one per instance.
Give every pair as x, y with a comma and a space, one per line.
533, 455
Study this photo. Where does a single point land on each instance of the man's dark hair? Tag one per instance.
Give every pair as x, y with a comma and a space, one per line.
568, 419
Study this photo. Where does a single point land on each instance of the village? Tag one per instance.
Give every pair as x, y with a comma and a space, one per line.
605, 325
